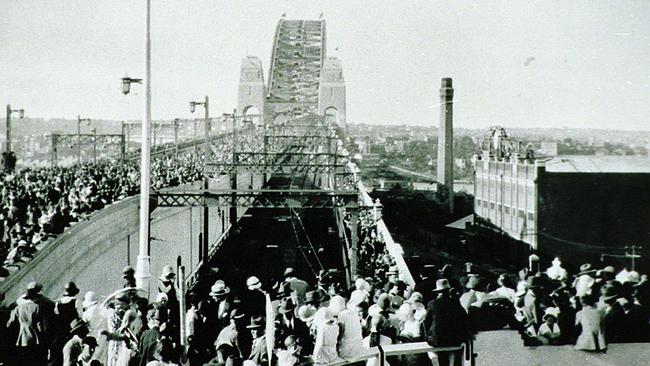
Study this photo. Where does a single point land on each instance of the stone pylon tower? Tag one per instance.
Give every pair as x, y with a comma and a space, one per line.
252, 92
446, 142
331, 91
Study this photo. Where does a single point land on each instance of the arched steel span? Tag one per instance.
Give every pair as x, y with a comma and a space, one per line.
296, 61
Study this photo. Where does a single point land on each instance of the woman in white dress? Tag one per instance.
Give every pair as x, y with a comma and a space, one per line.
590, 319
327, 333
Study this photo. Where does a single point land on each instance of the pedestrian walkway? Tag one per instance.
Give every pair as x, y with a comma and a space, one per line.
503, 348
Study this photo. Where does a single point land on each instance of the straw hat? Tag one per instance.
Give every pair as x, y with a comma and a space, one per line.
442, 285
167, 273
306, 313
551, 311
89, 299
337, 305
219, 289
253, 283
77, 324
256, 323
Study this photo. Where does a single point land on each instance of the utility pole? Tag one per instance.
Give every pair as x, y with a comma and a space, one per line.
94, 131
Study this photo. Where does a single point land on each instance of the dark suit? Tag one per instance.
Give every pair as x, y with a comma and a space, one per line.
147, 346
447, 326
614, 323
298, 329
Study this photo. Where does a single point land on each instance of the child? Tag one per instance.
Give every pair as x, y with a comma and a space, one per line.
549, 331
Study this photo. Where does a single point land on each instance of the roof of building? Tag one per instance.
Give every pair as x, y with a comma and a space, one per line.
598, 164
461, 224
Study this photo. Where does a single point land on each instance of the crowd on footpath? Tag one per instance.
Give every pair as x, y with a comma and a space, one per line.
589, 309
288, 321
36, 205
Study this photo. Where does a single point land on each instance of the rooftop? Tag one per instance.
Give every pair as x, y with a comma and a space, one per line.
598, 164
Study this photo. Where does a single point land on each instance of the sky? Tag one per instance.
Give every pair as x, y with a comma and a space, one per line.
513, 63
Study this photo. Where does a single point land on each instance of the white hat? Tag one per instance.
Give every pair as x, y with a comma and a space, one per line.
162, 296
551, 311
337, 304
253, 283
167, 271
89, 299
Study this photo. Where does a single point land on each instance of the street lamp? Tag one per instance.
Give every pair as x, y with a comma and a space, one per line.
142, 270
126, 84
79, 120
94, 132
206, 107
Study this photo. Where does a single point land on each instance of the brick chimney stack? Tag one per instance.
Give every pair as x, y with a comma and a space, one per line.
446, 142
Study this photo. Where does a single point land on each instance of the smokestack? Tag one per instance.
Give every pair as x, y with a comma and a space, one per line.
446, 142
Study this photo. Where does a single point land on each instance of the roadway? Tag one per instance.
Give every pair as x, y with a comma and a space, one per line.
266, 241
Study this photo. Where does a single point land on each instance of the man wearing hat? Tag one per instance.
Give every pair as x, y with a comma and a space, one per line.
73, 347
532, 301
219, 306
166, 285
65, 312
254, 299
258, 353
297, 285
447, 324
584, 280
128, 274
287, 325
613, 313
235, 334
392, 276
30, 316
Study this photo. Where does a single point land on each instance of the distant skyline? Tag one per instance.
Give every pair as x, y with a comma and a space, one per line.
523, 64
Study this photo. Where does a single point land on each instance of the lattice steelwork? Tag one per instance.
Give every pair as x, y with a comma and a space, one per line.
296, 62
261, 198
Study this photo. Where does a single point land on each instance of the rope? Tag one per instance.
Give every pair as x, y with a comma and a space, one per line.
577, 244
295, 233
293, 211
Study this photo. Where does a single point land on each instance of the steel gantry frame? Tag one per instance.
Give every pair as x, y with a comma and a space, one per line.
89, 139
290, 149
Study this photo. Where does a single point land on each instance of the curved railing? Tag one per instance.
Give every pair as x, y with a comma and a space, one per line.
394, 249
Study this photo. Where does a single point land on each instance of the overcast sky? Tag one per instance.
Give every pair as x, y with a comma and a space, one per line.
514, 63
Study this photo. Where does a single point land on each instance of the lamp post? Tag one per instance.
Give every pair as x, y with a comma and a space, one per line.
79, 120
142, 271
94, 132
206, 107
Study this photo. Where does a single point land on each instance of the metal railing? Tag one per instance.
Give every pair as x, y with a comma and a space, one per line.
379, 353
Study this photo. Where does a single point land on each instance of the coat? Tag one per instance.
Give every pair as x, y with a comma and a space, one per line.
447, 323
614, 323
258, 351
147, 345
29, 317
71, 351
591, 338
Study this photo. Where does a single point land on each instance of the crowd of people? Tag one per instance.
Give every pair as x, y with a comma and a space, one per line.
36, 205
287, 321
